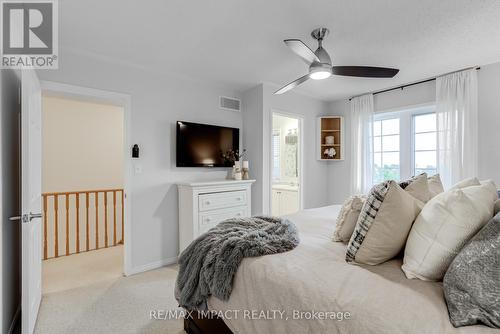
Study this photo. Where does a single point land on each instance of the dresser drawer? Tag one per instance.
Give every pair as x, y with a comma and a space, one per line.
221, 200
209, 219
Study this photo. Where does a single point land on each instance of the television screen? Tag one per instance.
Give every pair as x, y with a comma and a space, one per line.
202, 145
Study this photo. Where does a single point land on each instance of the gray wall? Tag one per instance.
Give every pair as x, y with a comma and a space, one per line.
489, 122
157, 103
10, 203
259, 103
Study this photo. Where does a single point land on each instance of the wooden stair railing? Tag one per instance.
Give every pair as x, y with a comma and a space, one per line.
95, 218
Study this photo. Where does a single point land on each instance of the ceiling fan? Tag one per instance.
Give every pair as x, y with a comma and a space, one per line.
320, 63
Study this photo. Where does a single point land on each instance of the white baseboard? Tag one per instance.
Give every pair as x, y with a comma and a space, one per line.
151, 266
15, 320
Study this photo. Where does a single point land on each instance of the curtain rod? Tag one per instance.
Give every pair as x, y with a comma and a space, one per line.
414, 83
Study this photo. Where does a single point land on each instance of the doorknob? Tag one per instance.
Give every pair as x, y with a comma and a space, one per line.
26, 218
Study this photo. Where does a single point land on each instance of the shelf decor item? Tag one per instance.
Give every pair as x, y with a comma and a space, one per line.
330, 153
330, 138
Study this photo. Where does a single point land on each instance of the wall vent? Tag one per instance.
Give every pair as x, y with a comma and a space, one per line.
230, 103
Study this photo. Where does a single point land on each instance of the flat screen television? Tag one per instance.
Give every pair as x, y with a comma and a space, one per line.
202, 145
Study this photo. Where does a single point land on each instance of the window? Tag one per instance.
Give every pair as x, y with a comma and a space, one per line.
276, 154
386, 150
424, 141
404, 144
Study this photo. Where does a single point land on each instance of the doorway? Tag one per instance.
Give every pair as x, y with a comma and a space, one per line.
84, 181
286, 164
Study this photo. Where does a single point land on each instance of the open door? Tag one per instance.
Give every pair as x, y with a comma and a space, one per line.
30, 217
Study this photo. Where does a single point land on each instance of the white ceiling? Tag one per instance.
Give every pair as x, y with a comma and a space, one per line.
240, 42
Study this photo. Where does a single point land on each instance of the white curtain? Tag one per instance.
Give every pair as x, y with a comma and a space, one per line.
362, 143
457, 122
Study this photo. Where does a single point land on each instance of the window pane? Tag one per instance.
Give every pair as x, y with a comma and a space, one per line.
425, 160
390, 126
376, 128
429, 172
377, 144
390, 143
390, 160
377, 160
391, 174
378, 175
425, 141
425, 123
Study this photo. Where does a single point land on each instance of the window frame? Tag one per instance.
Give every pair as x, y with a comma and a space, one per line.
380, 117
406, 135
430, 110
276, 133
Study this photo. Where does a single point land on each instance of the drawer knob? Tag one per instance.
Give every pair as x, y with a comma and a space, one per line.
207, 219
238, 214
238, 198
207, 202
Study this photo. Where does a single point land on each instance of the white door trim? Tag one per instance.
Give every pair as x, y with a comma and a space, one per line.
300, 118
123, 100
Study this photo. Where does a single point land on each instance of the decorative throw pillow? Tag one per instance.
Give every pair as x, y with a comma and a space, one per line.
472, 282
383, 224
348, 216
435, 185
445, 224
471, 181
418, 187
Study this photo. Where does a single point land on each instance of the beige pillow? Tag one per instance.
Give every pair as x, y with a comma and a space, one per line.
383, 224
418, 187
435, 185
348, 216
471, 181
445, 224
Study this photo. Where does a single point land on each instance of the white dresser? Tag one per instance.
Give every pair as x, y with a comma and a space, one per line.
202, 205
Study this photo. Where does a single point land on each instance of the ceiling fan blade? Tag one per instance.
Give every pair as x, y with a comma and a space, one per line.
292, 85
302, 50
365, 71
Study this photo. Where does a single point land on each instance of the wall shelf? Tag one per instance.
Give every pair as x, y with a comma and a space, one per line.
330, 126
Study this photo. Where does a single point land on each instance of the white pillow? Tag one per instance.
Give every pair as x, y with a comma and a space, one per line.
418, 187
445, 224
435, 185
497, 206
471, 181
348, 216
383, 224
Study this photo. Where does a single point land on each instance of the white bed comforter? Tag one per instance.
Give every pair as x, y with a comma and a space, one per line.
315, 277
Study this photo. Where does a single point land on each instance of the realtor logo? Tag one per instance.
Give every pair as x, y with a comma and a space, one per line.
29, 34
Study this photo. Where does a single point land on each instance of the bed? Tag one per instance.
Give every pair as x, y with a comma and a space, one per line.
286, 293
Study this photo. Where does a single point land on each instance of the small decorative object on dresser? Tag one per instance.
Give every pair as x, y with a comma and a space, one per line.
237, 170
202, 205
245, 171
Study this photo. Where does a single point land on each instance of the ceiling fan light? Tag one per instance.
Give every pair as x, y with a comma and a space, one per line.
320, 74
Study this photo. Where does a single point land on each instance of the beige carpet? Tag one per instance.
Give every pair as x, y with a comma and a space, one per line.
83, 269
121, 305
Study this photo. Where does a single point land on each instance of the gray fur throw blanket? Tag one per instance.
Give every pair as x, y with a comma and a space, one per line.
472, 282
207, 266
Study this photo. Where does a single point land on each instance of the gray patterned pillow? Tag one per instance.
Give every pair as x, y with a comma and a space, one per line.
472, 282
